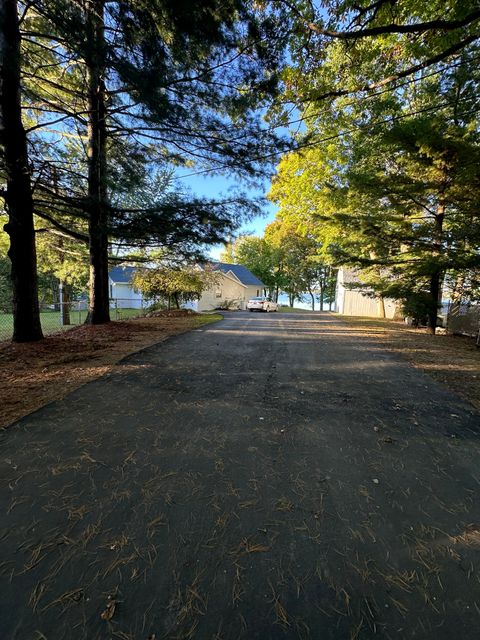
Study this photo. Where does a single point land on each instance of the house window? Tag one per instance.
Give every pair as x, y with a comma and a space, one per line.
218, 293
258, 292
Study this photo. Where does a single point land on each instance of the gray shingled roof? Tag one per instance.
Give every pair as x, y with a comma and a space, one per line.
121, 275
245, 276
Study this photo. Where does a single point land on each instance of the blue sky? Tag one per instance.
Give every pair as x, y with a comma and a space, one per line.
212, 187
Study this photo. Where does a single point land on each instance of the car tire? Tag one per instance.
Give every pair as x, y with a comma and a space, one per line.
250, 310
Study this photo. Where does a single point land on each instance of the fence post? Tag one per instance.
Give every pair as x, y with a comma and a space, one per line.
60, 299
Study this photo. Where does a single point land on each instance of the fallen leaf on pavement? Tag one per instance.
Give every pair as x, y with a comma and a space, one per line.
109, 610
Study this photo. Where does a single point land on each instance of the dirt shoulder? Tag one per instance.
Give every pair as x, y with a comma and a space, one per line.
452, 360
35, 374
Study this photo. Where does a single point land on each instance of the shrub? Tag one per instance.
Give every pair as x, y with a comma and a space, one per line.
418, 305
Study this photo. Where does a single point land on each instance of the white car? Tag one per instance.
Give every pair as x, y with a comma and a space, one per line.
261, 303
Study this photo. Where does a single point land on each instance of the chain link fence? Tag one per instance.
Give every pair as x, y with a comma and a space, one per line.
464, 319
63, 316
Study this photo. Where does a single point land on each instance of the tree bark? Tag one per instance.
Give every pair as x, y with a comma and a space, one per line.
18, 195
435, 294
436, 275
398, 313
381, 306
99, 309
65, 308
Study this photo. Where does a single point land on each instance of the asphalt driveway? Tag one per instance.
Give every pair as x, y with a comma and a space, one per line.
267, 477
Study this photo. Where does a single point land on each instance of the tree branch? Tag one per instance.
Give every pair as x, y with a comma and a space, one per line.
402, 74
69, 232
420, 27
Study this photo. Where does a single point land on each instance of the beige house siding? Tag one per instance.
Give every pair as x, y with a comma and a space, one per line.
228, 289
351, 302
358, 304
253, 291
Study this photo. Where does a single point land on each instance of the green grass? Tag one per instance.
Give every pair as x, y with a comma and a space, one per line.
50, 320
207, 318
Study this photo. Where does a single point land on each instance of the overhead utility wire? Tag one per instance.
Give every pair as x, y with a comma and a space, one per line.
379, 93
355, 101
332, 137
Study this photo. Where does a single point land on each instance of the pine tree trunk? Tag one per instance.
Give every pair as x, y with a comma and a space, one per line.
435, 280
398, 313
99, 311
436, 275
18, 196
65, 309
381, 307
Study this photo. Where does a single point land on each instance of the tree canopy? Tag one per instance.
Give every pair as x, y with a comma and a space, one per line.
103, 103
386, 173
178, 282
99, 96
285, 260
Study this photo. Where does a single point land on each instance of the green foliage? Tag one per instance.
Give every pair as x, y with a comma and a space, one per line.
115, 92
285, 259
209, 49
62, 258
180, 283
228, 253
6, 293
419, 306
256, 254
388, 180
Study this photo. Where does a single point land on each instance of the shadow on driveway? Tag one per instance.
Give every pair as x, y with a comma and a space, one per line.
270, 476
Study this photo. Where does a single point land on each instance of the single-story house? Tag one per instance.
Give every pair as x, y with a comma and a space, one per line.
122, 294
356, 302
235, 286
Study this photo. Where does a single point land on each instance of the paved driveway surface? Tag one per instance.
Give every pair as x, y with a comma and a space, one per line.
269, 476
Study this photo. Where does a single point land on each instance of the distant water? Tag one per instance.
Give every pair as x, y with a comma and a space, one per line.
283, 300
